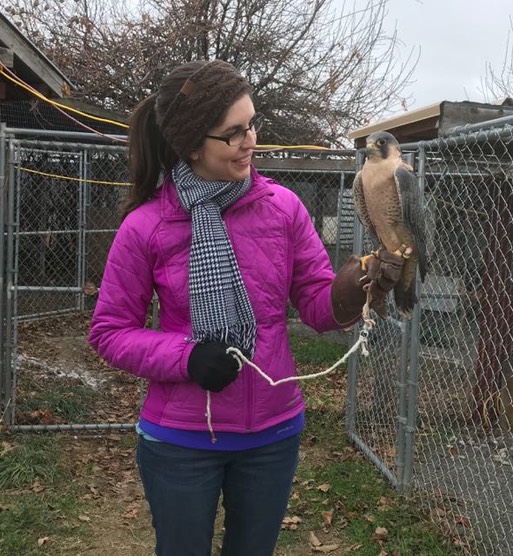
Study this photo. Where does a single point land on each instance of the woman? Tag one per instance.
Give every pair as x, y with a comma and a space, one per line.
225, 249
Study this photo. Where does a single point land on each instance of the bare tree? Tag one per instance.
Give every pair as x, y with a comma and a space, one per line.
317, 72
497, 83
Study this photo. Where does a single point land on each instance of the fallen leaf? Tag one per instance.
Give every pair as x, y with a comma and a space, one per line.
291, 522
325, 548
440, 512
6, 448
324, 487
84, 518
380, 534
37, 487
383, 504
462, 520
90, 289
327, 518
314, 541
42, 541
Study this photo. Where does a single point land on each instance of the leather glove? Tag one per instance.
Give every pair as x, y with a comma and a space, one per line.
211, 367
383, 273
347, 295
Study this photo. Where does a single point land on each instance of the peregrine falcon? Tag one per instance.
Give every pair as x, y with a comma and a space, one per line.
389, 204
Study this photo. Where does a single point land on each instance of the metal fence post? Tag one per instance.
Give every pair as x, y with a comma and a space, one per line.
82, 223
4, 376
340, 200
9, 312
411, 420
352, 367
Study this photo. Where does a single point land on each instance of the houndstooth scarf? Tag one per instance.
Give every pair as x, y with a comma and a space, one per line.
220, 307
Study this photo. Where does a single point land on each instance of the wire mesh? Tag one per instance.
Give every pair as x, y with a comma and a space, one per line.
432, 404
446, 376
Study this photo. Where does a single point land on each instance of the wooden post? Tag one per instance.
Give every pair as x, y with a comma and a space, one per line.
495, 336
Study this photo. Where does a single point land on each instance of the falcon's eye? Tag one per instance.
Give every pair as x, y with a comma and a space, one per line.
380, 142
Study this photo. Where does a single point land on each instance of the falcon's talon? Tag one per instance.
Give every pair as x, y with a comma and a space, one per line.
364, 260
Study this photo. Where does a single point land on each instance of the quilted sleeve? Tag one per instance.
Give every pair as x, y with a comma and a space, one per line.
118, 332
312, 274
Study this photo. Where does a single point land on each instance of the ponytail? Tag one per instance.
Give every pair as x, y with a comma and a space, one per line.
148, 154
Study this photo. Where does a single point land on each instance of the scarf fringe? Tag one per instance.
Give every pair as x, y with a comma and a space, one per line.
241, 336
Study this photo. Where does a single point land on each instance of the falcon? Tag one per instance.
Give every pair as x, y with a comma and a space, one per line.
389, 204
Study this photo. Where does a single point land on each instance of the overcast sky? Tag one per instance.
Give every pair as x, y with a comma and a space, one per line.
456, 39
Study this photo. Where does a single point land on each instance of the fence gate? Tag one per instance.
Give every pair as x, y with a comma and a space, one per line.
59, 214
432, 405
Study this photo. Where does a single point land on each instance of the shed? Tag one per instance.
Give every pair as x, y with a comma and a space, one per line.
22, 57
21, 109
435, 120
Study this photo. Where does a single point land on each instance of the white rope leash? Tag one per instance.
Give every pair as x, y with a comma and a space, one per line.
241, 358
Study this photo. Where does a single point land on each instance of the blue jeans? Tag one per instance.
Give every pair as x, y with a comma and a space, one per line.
183, 486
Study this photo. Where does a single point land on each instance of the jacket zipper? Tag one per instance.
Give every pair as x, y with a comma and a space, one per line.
249, 400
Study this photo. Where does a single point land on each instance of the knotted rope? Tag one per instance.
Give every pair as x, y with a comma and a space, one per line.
241, 358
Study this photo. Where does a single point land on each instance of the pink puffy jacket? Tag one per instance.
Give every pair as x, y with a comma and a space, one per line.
280, 257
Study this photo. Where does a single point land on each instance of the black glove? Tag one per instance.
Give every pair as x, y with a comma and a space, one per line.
211, 367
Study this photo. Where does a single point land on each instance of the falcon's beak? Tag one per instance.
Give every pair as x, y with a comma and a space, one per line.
371, 147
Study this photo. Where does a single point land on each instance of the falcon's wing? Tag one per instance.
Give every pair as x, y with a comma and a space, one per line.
412, 205
361, 208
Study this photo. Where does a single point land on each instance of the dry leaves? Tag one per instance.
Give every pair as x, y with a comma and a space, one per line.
380, 534
327, 518
291, 523
317, 546
42, 541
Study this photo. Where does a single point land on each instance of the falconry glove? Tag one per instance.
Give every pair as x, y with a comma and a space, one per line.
383, 274
211, 367
385, 269
347, 295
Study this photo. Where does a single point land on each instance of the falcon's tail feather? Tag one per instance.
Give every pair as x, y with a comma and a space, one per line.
405, 299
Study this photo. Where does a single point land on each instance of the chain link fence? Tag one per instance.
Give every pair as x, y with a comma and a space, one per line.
60, 214
431, 405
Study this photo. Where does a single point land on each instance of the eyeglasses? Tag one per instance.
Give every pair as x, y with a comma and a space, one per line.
237, 137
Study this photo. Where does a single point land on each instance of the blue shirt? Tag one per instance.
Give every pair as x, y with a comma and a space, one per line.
225, 441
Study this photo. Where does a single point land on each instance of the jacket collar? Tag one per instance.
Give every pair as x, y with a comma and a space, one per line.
171, 209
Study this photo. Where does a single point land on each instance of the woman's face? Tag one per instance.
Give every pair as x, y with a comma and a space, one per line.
216, 160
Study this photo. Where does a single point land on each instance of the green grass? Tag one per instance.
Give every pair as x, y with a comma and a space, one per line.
359, 497
31, 458
38, 499
316, 351
68, 401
